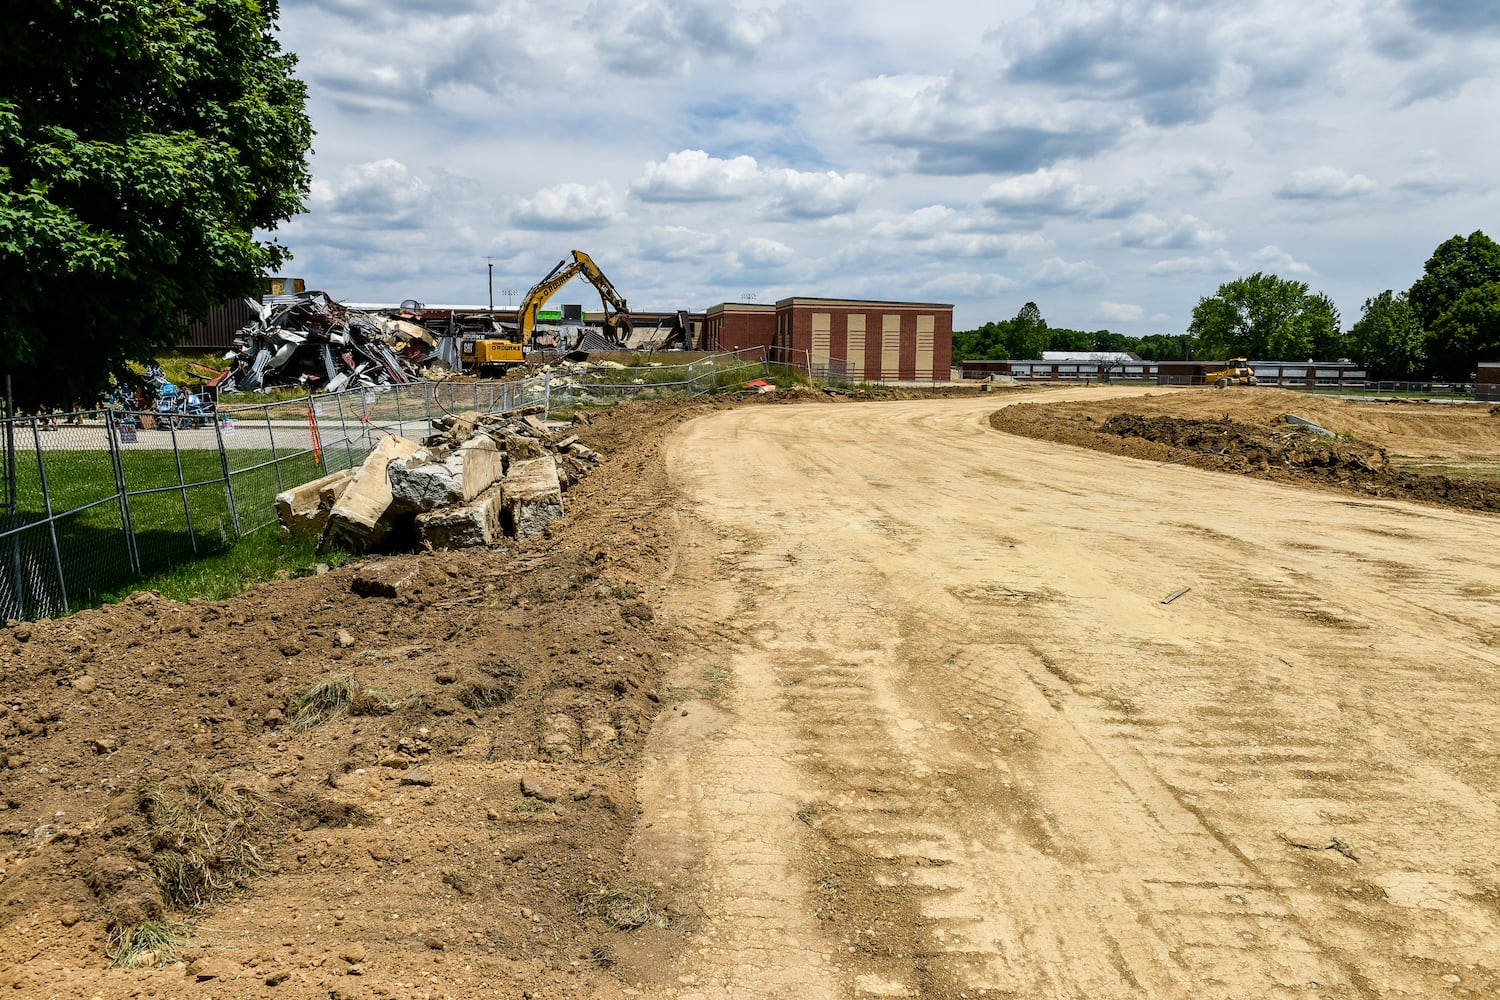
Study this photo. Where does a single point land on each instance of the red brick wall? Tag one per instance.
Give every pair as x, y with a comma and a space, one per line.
801, 314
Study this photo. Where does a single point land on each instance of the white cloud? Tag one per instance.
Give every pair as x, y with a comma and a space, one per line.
946, 125
794, 194
567, 206
1325, 184
1123, 312
1057, 191
678, 243
1057, 271
1218, 262
761, 253
1155, 233
692, 175
978, 284
662, 37
1275, 259
385, 194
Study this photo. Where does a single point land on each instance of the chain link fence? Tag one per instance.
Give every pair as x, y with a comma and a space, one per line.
96, 499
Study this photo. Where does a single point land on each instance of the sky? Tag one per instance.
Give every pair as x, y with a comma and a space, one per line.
1113, 162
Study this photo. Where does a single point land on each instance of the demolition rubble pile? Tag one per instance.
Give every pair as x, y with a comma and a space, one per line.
481, 478
311, 340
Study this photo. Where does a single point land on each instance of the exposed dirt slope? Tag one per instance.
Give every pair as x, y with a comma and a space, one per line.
1376, 449
141, 740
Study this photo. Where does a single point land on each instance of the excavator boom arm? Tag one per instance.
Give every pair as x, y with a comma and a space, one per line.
616, 313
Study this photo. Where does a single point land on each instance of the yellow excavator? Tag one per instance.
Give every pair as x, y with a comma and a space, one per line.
1236, 371
493, 355
616, 313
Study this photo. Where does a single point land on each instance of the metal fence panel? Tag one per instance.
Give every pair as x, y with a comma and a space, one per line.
96, 500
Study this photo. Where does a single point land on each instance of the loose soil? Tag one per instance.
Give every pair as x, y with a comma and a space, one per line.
1378, 449
820, 700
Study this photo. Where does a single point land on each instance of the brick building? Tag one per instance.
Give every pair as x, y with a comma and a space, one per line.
866, 340
739, 326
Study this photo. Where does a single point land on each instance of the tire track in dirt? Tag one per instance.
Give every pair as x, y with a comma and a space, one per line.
1037, 780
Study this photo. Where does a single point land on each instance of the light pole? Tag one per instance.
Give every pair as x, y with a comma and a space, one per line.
491, 262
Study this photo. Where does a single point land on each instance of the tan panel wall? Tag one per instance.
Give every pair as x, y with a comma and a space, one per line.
822, 324
856, 348
925, 325
890, 346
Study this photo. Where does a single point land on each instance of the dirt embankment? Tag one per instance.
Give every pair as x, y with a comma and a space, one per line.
1373, 452
152, 768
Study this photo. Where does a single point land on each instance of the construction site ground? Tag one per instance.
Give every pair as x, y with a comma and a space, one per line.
1083, 692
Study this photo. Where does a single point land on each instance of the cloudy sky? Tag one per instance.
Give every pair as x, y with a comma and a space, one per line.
1112, 161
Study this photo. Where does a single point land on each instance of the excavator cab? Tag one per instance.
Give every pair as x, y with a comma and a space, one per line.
616, 313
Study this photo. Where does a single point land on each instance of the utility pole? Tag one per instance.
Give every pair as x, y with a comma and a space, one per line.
491, 262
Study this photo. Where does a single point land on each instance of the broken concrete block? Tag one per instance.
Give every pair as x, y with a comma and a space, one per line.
303, 510
584, 452
481, 464
387, 579
537, 427
358, 521
519, 447
461, 426
531, 495
464, 527
420, 484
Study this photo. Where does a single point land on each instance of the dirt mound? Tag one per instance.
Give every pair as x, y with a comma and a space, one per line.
1252, 437
303, 783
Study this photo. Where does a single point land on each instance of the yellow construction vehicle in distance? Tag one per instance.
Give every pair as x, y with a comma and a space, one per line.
616, 314
1236, 371
494, 355
490, 356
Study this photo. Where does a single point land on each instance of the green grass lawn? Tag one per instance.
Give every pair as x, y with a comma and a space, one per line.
176, 502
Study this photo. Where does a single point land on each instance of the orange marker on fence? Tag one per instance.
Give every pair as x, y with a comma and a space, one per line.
317, 442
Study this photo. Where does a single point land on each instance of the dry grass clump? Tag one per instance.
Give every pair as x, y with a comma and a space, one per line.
199, 837
477, 695
338, 695
155, 942
627, 909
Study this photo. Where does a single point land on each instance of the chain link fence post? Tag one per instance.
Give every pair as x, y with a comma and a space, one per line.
62, 582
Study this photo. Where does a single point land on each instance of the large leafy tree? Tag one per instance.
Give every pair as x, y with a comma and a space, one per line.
1457, 265
1264, 316
1027, 335
1468, 331
142, 145
1388, 340
1457, 304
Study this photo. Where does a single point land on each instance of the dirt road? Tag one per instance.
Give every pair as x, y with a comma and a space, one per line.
965, 749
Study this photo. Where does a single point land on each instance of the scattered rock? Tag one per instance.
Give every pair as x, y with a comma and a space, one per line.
582, 792
535, 788
85, 684
418, 776
353, 953
386, 579
214, 967
342, 639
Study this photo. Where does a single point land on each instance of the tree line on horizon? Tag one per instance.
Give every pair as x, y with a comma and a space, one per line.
1439, 328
